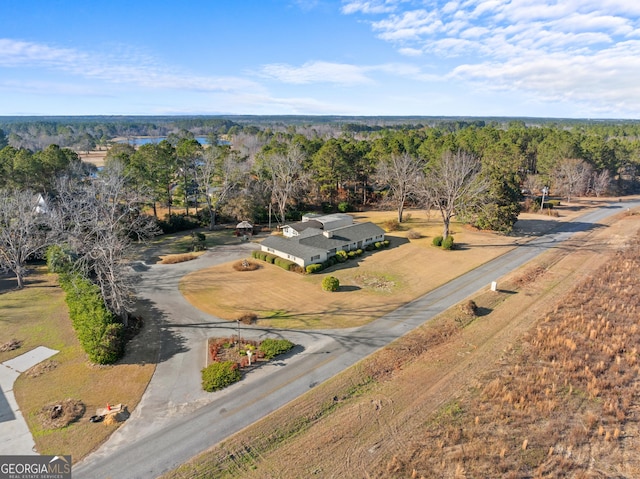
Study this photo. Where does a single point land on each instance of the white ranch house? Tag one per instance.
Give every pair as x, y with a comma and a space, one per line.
317, 237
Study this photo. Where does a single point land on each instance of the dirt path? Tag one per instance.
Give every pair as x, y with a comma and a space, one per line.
362, 437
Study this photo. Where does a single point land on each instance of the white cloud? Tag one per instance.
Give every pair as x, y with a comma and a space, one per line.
604, 81
368, 7
125, 69
410, 25
583, 51
410, 52
317, 72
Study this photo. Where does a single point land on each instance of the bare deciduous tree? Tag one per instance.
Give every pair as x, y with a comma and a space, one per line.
403, 175
600, 182
287, 178
571, 177
218, 174
25, 230
454, 185
99, 221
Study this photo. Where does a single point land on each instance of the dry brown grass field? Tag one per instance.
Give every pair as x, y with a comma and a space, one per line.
543, 384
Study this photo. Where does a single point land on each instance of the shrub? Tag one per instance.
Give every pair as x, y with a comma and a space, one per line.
177, 258
248, 318
59, 260
176, 223
314, 268
330, 283
391, 225
413, 234
341, 256
270, 258
359, 252
552, 203
351, 254
296, 268
447, 243
469, 308
385, 243
272, 347
344, 207
370, 247
198, 241
220, 375
284, 263
377, 244
255, 254
98, 329
437, 241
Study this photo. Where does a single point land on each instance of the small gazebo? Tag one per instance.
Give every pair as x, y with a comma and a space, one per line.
244, 229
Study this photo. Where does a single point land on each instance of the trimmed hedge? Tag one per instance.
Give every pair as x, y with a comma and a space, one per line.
285, 263
437, 241
330, 283
272, 347
99, 332
217, 376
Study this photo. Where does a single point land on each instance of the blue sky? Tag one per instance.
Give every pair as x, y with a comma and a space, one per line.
541, 58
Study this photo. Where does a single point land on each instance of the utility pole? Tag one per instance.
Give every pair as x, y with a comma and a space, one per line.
545, 191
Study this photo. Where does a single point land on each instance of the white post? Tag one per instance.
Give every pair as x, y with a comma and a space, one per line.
249, 354
545, 191
494, 286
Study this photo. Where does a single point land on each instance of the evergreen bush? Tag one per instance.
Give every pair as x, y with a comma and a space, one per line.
437, 241
447, 243
341, 256
314, 268
272, 347
344, 207
176, 223
330, 283
217, 376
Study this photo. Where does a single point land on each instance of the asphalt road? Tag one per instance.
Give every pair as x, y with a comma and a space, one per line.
176, 420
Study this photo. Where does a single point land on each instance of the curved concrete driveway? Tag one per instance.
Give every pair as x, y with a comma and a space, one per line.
176, 420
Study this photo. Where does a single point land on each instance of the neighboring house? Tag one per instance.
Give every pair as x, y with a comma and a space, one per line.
316, 238
42, 204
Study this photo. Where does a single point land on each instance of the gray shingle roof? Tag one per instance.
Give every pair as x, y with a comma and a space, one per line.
313, 242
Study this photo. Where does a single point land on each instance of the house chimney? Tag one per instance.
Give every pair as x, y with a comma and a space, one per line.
328, 234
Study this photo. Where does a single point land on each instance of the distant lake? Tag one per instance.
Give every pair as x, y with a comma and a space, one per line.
145, 141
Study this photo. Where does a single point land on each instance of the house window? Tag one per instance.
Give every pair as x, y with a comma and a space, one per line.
270, 250
332, 251
315, 258
368, 239
345, 247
